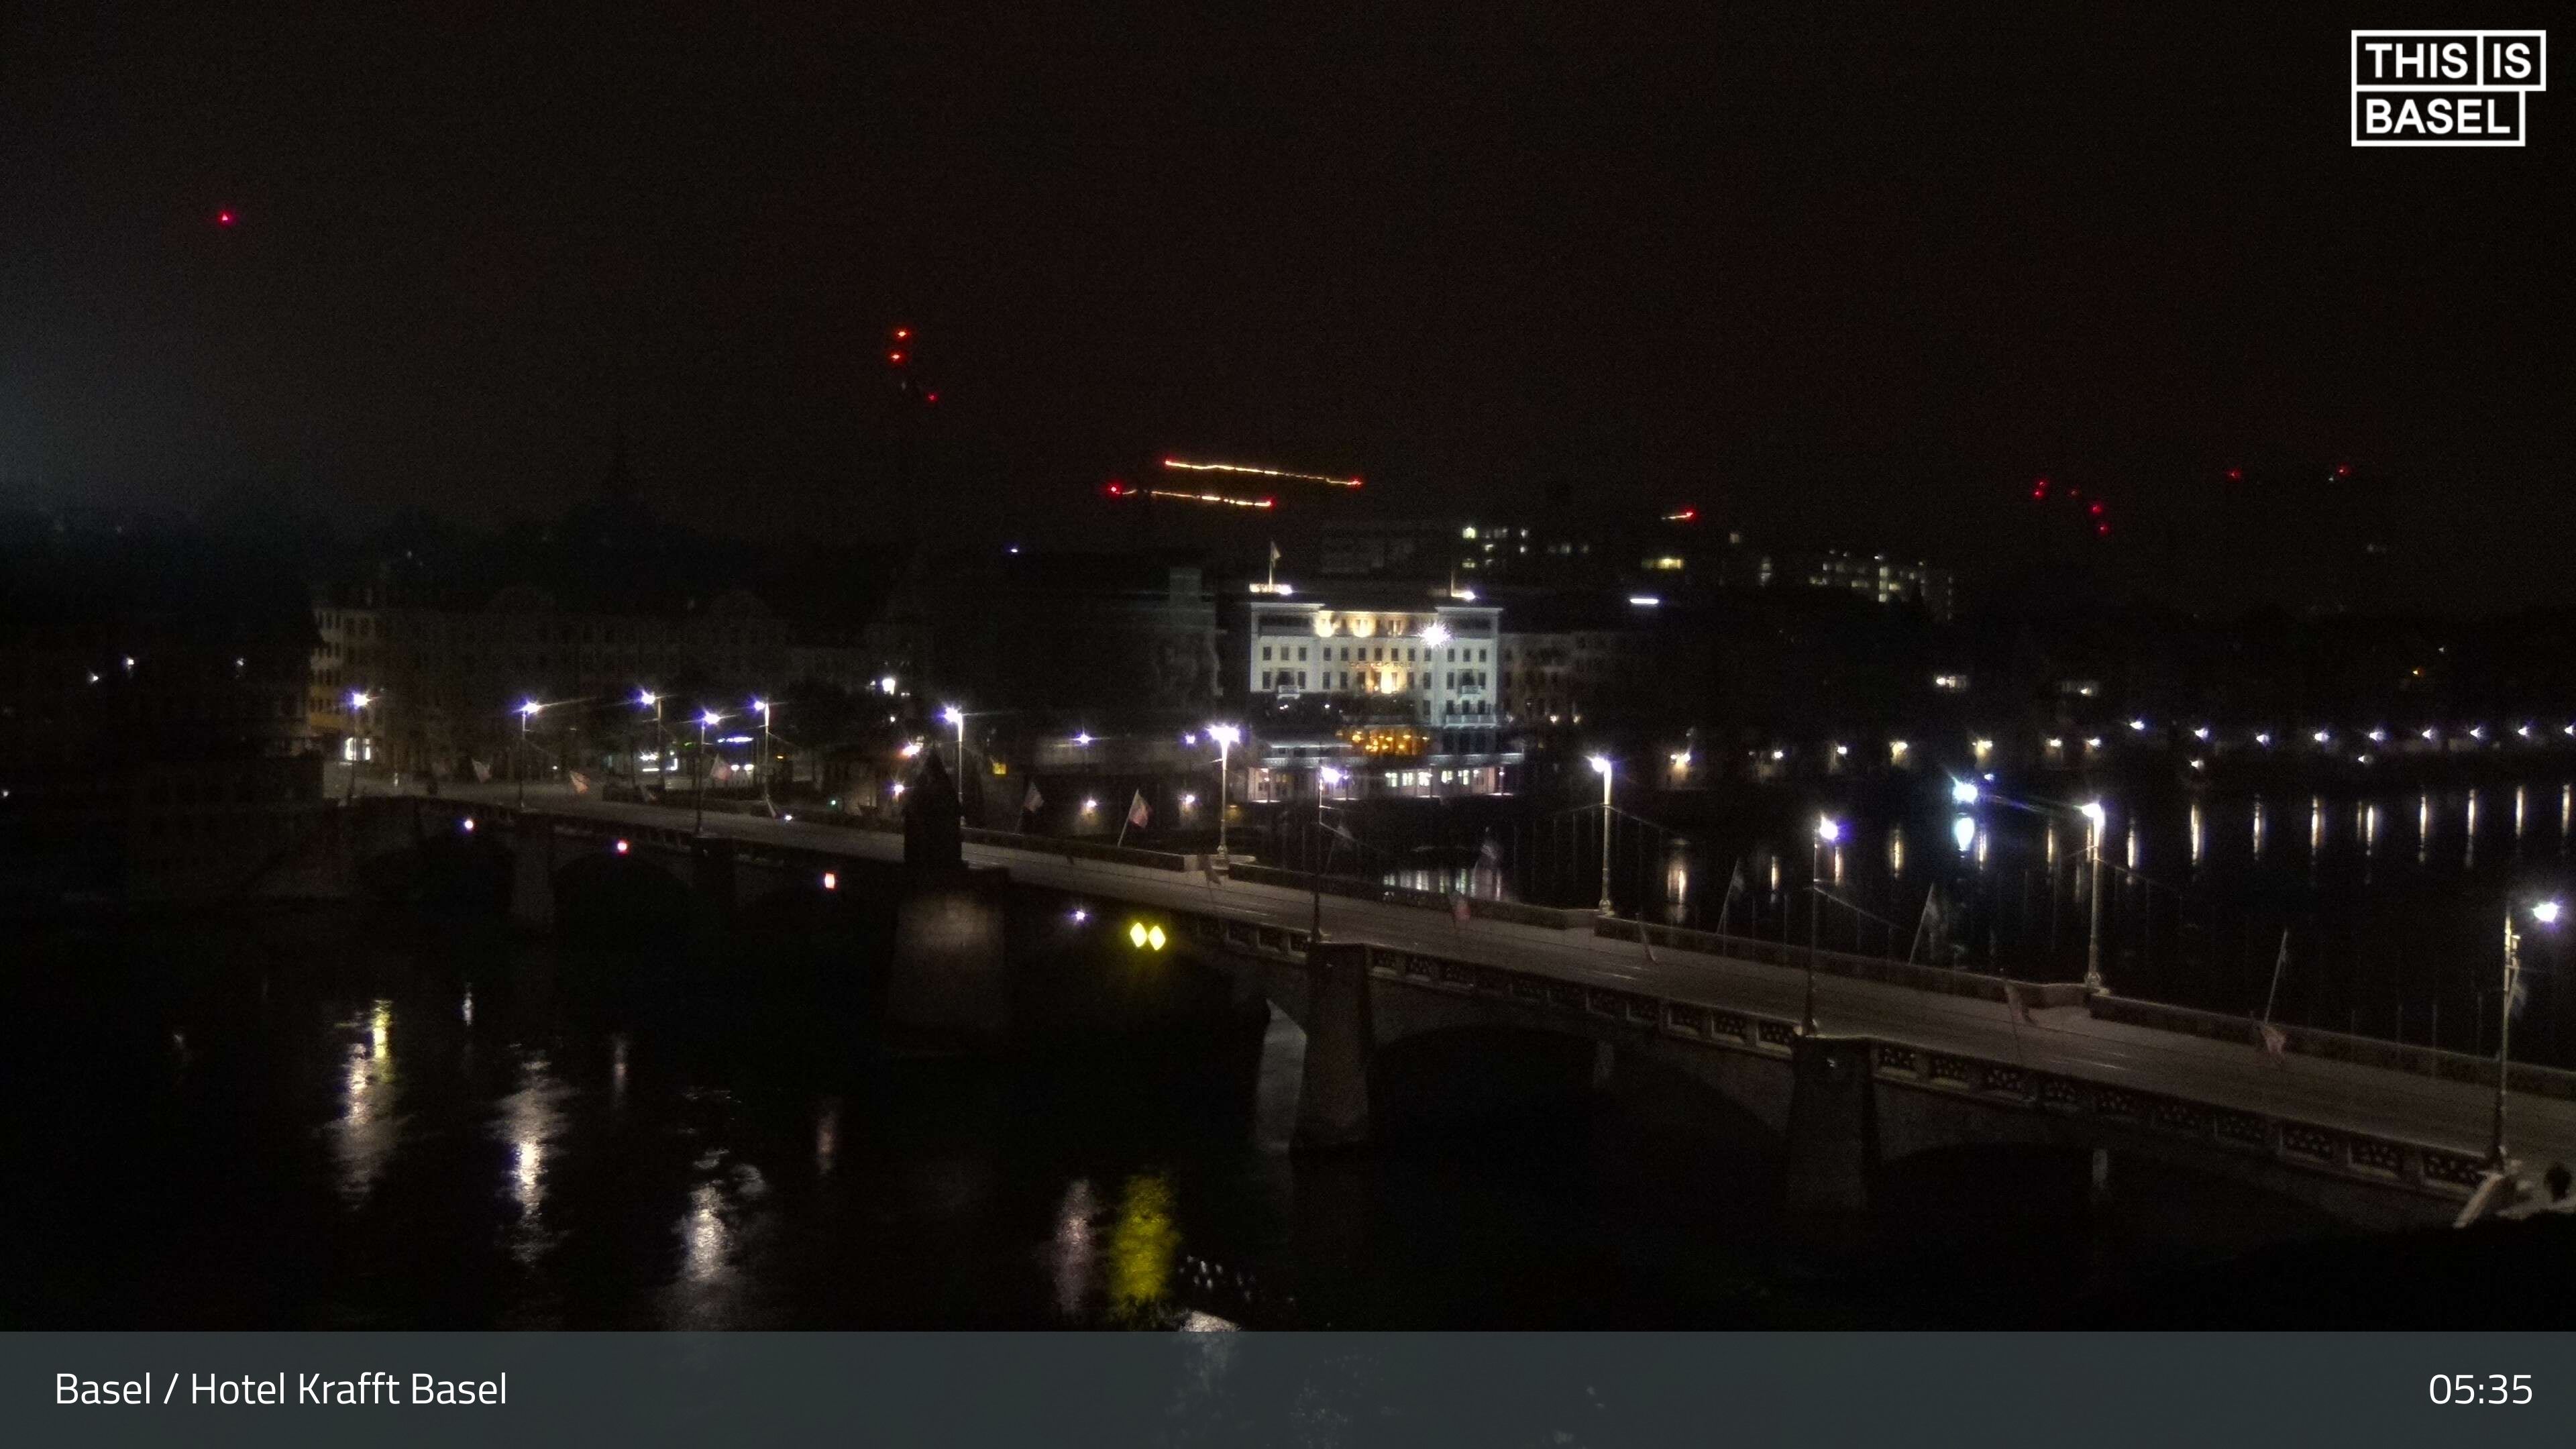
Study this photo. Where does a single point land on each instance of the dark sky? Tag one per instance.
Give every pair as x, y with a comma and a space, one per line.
1856, 281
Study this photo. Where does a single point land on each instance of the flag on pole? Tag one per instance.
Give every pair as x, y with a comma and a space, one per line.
2275, 1041
2280, 964
482, 772
1137, 813
1030, 805
580, 783
1726, 908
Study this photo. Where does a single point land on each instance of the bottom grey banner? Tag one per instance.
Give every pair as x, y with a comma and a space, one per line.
1556, 1390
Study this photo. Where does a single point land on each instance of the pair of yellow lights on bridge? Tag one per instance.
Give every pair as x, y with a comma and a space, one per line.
1146, 936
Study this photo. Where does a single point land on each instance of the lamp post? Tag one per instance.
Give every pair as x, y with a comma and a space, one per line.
1225, 735
706, 722
2093, 817
646, 696
1603, 765
957, 717
359, 699
2546, 913
763, 706
527, 712
1828, 831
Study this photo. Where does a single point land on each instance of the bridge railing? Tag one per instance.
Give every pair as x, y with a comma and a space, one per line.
1946, 980
1082, 849
2338, 1046
2442, 1171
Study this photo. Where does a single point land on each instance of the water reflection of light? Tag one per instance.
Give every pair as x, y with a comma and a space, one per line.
2133, 845
1775, 875
2370, 829
1838, 863
465, 1009
2196, 832
1077, 1247
1142, 1247
529, 1120
2423, 829
617, 1070
2519, 804
1963, 831
363, 1139
1985, 838
1896, 851
827, 1136
2261, 827
2316, 825
2566, 809
2469, 837
704, 1238
2052, 845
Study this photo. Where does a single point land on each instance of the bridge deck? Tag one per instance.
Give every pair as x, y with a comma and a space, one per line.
2067, 1040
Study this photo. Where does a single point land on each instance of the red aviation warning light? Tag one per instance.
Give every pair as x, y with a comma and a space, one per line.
2235, 475
1684, 514
225, 218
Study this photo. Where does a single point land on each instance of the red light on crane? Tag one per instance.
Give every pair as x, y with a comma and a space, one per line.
2097, 510
2235, 475
2343, 470
895, 357
902, 334
2103, 529
224, 218
930, 397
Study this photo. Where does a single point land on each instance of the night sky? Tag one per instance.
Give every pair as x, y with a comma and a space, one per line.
1857, 284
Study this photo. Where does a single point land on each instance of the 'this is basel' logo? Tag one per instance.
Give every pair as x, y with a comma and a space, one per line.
2445, 87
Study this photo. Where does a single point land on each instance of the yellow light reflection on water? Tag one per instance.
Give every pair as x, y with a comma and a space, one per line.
1142, 1247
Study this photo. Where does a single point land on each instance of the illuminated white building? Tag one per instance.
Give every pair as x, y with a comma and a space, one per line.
1436, 658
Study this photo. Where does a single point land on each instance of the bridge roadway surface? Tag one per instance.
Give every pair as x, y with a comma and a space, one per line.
2066, 1040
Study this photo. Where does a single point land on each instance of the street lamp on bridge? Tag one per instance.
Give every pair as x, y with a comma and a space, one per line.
1829, 831
359, 699
2546, 913
2094, 815
527, 712
1605, 766
957, 718
706, 721
1225, 736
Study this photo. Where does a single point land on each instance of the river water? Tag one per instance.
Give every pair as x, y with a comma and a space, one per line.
2392, 902
359, 1117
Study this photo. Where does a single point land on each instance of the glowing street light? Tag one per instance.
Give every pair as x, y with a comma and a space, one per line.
957, 718
2546, 913
1606, 767
1963, 792
1829, 831
2094, 815
359, 699
646, 698
765, 754
1226, 737
1963, 832
706, 721
527, 712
